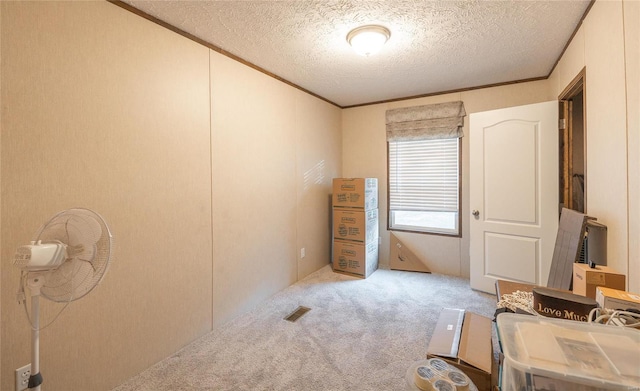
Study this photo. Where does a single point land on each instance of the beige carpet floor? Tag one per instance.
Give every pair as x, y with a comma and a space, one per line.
359, 335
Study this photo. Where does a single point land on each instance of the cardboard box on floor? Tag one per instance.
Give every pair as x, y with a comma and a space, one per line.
463, 339
401, 258
586, 279
354, 258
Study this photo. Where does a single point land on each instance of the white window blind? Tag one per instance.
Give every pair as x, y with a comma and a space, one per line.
424, 177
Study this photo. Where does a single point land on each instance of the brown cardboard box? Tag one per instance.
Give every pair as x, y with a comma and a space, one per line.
355, 258
361, 193
355, 224
586, 279
463, 339
401, 258
615, 299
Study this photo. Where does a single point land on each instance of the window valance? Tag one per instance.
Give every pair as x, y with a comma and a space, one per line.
428, 122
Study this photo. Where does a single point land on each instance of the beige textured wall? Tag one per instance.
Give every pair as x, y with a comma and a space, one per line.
105, 110
274, 152
365, 154
253, 151
612, 124
319, 159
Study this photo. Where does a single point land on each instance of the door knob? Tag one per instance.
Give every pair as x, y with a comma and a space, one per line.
475, 213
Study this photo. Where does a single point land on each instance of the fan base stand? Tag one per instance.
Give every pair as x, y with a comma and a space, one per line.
34, 382
35, 283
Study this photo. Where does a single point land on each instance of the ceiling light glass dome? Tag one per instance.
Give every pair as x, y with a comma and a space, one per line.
368, 40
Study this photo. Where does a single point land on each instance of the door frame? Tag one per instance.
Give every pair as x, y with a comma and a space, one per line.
576, 87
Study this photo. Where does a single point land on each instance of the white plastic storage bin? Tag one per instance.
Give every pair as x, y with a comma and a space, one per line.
562, 355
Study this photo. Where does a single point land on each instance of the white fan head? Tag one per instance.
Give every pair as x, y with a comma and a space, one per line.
85, 241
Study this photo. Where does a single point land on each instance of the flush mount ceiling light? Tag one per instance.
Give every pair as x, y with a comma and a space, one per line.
368, 40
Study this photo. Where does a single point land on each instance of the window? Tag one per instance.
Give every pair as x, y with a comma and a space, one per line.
424, 167
424, 177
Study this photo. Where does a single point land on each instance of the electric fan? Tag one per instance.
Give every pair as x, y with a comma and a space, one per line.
67, 258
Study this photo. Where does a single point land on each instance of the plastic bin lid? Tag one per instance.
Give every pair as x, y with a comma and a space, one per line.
586, 352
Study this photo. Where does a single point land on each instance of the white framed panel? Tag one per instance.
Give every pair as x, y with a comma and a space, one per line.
510, 172
504, 255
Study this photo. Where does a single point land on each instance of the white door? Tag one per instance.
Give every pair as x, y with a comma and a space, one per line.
513, 194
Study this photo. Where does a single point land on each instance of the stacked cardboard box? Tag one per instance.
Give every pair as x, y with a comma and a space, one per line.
355, 226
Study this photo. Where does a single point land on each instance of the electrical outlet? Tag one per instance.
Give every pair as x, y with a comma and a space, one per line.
302, 252
22, 377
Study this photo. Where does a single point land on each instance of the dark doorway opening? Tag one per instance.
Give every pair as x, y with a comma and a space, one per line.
573, 145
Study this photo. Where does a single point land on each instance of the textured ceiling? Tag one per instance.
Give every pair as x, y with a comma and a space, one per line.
435, 46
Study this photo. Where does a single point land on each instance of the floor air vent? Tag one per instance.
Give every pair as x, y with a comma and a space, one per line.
297, 314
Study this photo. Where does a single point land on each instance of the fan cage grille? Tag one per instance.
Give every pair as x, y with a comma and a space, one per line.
90, 246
